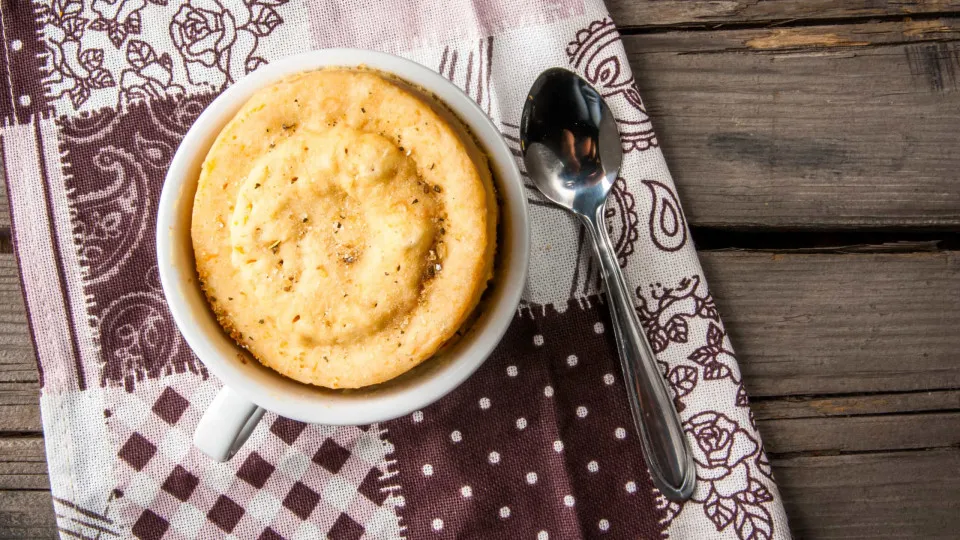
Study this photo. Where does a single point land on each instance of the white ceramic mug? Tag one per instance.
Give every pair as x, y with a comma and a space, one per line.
250, 388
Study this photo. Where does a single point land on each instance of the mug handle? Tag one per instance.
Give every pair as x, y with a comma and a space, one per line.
226, 425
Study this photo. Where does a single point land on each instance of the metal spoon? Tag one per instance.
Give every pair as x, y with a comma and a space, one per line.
571, 147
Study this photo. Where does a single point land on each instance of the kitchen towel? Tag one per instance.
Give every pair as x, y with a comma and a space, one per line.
538, 444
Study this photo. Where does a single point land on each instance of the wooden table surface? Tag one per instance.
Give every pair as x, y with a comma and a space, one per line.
816, 147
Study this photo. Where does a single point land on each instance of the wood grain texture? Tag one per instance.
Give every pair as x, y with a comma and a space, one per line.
17, 363
801, 324
19, 409
23, 464
19, 386
797, 407
837, 324
879, 496
861, 433
26, 514
646, 14
874, 495
4, 203
817, 127
834, 126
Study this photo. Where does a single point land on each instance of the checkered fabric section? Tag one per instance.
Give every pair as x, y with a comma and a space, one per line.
289, 481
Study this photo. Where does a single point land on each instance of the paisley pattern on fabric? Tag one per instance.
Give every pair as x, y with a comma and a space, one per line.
595, 53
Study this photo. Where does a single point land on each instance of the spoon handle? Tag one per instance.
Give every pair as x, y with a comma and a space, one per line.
664, 444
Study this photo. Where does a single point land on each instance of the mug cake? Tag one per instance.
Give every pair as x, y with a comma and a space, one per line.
344, 227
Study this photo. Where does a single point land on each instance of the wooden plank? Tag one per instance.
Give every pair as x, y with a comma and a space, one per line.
818, 127
839, 324
17, 361
861, 433
23, 466
22, 458
20, 408
906, 421
811, 127
787, 408
886, 495
850, 496
26, 514
879, 495
26, 508
845, 324
19, 386
4, 203
643, 14
846, 37
23, 463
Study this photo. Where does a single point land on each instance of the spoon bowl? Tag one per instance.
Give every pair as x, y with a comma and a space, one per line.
577, 153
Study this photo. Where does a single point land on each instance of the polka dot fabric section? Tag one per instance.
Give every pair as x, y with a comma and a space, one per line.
508, 460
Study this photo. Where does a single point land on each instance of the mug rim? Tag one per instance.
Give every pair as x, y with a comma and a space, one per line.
425, 388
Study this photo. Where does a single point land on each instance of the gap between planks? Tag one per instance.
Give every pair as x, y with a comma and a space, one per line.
633, 14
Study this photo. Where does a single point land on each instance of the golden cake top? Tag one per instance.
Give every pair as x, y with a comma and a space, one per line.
344, 228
